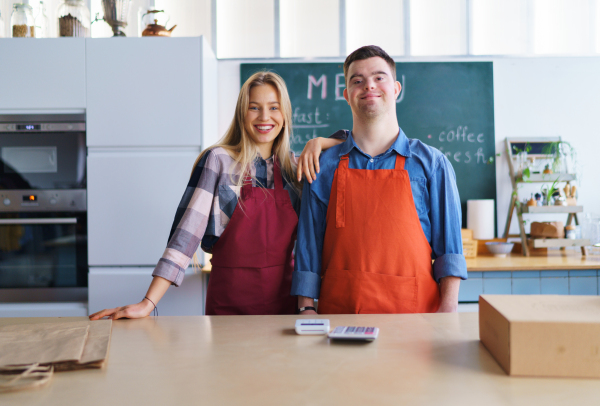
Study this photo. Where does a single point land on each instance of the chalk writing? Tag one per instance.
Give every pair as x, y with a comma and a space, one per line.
340, 85
312, 81
460, 135
312, 118
466, 156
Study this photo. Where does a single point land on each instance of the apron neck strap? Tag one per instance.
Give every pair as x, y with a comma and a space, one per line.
277, 174
247, 186
399, 161
340, 204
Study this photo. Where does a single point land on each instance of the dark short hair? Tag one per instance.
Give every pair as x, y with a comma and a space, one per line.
366, 52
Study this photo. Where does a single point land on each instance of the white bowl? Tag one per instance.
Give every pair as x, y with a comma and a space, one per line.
499, 249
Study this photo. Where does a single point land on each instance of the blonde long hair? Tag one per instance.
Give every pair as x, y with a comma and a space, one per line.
237, 141
240, 144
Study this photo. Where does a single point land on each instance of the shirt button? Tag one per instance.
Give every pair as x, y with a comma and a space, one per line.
371, 160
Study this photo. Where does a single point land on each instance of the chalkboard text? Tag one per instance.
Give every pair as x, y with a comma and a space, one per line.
466, 157
460, 135
315, 83
312, 119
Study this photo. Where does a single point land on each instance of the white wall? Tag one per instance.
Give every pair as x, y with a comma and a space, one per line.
537, 97
533, 97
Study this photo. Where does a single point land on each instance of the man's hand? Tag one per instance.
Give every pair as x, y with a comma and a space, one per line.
449, 294
304, 301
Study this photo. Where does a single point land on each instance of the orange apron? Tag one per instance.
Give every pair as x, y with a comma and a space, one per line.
376, 258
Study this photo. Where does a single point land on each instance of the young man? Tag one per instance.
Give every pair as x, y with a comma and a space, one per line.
382, 208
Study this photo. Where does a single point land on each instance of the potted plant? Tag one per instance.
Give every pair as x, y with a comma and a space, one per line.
563, 156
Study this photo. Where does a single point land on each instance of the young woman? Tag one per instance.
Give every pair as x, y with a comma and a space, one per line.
241, 204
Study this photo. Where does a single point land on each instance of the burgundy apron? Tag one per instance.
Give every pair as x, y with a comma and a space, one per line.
252, 262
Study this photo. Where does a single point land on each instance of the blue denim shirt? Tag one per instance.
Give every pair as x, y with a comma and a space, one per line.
433, 185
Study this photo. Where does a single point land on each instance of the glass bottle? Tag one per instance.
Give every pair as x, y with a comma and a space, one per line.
42, 23
73, 19
21, 21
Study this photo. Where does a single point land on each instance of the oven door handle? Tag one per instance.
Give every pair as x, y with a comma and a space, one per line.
67, 220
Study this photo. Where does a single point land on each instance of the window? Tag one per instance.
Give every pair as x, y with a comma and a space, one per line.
245, 29
375, 22
498, 27
438, 27
561, 27
309, 28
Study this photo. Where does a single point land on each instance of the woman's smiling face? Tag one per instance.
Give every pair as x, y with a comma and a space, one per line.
264, 119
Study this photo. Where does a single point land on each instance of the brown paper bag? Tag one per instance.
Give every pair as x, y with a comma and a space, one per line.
15, 378
95, 351
61, 346
42, 343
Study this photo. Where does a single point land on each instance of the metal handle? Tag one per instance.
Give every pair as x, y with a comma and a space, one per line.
69, 220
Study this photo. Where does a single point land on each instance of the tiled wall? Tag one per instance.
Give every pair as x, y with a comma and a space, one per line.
529, 283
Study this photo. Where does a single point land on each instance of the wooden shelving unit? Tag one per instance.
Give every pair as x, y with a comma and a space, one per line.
521, 209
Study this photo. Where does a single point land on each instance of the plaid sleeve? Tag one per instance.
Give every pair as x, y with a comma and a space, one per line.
340, 135
191, 219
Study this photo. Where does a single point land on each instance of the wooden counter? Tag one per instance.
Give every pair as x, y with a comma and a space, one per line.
433, 359
553, 260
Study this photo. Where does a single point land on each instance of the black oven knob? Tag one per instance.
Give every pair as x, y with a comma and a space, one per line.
6, 201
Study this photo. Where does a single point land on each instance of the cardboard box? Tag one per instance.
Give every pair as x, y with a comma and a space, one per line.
466, 234
542, 335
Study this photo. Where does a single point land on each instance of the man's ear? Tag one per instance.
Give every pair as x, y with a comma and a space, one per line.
398, 88
346, 95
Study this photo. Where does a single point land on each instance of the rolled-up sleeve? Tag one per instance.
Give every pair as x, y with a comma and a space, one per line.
446, 222
190, 220
306, 279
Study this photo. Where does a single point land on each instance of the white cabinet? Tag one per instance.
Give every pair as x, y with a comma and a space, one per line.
132, 199
42, 73
113, 287
145, 91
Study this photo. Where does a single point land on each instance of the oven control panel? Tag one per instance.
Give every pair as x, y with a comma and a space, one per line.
74, 200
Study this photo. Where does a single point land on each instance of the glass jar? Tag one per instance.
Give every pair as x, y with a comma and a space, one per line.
42, 23
73, 19
21, 21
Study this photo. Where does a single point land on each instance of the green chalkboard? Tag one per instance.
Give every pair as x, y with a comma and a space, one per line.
448, 105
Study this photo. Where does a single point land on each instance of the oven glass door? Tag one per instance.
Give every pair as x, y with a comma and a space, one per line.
44, 160
43, 250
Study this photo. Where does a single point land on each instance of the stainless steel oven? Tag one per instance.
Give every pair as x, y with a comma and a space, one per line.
43, 208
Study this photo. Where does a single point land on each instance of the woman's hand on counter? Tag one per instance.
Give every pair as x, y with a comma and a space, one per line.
157, 289
133, 311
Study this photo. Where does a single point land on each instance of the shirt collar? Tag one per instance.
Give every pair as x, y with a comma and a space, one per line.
259, 157
401, 145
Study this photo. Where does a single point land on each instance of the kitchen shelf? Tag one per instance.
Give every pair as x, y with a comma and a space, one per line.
524, 209
559, 242
551, 209
551, 177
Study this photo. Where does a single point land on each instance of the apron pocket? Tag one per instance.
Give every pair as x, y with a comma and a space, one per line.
351, 292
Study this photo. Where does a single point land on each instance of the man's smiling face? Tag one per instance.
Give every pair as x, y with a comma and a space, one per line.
371, 89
